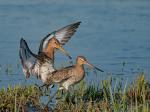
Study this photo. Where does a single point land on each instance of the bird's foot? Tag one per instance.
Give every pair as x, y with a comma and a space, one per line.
50, 99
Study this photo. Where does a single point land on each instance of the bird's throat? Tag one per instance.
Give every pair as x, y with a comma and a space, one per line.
80, 68
50, 52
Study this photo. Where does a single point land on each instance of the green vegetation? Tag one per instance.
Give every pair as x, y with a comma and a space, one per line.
18, 98
133, 98
125, 97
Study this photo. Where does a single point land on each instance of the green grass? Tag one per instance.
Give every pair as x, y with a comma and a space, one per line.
17, 98
132, 98
103, 97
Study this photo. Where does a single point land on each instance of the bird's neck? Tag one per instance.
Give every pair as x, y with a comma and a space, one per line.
80, 68
50, 52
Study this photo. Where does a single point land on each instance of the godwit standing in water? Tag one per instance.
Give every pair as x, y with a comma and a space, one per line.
71, 75
42, 64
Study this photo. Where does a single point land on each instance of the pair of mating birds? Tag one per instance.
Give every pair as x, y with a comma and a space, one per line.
42, 64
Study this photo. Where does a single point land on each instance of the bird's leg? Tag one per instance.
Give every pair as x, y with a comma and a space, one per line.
61, 92
46, 88
71, 89
40, 87
54, 94
50, 99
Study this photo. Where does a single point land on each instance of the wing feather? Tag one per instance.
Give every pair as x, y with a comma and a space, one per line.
62, 35
61, 75
28, 59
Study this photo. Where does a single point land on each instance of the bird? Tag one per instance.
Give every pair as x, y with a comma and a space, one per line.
39, 65
42, 64
70, 75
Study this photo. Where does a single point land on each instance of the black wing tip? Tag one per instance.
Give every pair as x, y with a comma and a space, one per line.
22, 41
76, 24
23, 44
73, 26
79, 22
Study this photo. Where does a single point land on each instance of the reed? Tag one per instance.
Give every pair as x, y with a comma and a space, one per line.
108, 97
18, 97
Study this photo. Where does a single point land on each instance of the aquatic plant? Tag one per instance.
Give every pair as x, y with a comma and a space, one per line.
108, 97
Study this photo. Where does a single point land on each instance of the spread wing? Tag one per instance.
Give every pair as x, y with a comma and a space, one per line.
62, 35
28, 59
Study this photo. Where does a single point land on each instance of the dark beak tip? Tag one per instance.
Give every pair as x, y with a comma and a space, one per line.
70, 57
99, 69
102, 71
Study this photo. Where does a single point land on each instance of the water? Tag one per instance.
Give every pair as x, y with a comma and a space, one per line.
112, 33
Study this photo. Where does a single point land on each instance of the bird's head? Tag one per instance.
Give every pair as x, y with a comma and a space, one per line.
82, 60
55, 44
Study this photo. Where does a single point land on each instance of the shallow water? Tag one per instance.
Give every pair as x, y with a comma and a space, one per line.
112, 33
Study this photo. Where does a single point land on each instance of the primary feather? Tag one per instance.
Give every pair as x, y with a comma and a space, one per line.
62, 35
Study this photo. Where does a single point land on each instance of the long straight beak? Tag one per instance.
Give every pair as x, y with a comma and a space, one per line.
63, 51
92, 66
